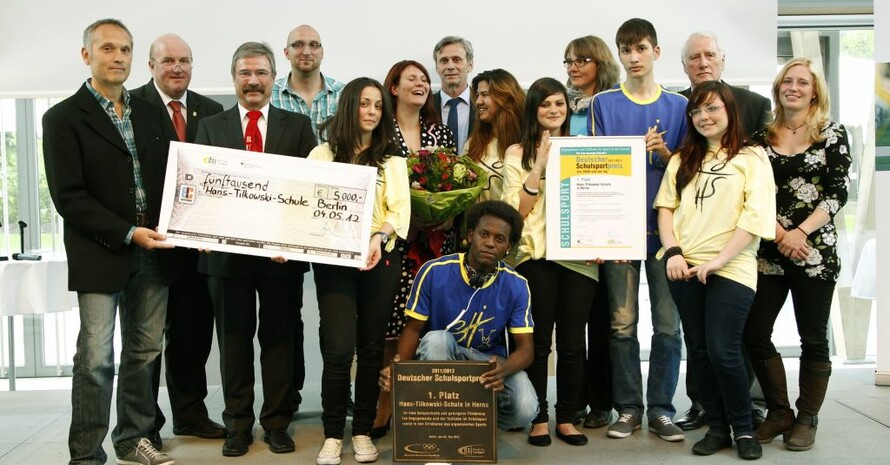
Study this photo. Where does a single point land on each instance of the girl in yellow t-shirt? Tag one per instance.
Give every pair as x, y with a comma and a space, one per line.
561, 292
717, 199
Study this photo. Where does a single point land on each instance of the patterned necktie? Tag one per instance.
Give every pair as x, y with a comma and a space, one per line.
253, 138
178, 120
452, 116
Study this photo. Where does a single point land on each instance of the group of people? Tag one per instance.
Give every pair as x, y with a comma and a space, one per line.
742, 214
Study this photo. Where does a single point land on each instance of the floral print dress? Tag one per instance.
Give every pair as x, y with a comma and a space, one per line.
431, 134
818, 177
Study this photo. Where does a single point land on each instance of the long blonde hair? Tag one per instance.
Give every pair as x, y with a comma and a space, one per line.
817, 116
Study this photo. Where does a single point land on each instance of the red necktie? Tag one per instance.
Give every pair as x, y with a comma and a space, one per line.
253, 138
178, 120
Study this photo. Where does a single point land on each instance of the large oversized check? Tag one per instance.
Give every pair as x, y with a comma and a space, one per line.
596, 198
267, 205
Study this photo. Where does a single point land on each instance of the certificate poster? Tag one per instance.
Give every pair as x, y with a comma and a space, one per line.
267, 205
596, 198
442, 413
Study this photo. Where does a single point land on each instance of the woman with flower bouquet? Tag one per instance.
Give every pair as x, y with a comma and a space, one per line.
355, 304
561, 291
417, 124
499, 104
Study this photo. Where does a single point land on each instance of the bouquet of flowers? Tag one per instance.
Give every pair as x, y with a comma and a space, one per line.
443, 184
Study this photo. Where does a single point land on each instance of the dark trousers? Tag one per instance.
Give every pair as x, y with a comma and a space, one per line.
713, 317
234, 303
562, 297
598, 370
354, 308
188, 337
812, 306
694, 393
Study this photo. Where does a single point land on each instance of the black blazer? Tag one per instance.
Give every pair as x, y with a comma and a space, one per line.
753, 108
437, 101
287, 133
90, 175
180, 262
199, 107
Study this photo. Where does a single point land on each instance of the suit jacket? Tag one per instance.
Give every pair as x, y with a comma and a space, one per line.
437, 100
754, 108
89, 171
181, 262
287, 133
199, 107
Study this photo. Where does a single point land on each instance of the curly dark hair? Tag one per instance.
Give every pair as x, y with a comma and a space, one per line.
500, 210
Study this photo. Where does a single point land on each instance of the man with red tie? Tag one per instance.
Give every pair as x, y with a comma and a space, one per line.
235, 280
188, 332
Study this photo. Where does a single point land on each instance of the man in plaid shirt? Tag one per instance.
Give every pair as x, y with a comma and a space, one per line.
305, 90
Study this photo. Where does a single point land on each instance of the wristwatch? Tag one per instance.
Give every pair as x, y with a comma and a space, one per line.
384, 237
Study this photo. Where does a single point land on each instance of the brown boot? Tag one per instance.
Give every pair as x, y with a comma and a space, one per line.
813, 385
384, 401
779, 417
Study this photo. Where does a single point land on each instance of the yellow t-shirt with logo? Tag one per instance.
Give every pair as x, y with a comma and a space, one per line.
725, 195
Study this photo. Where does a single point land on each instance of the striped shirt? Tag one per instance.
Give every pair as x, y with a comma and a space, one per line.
323, 106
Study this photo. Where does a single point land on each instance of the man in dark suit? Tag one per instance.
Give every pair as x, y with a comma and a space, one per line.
105, 156
189, 328
454, 61
703, 60
234, 280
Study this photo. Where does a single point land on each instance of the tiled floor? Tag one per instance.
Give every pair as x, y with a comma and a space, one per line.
854, 429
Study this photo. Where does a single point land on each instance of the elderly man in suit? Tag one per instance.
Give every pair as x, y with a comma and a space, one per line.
105, 156
235, 280
703, 60
189, 327
454, 61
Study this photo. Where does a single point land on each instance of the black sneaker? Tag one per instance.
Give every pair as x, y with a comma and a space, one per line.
711, 444
748, 448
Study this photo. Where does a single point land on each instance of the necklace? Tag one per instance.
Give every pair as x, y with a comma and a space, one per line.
794, 130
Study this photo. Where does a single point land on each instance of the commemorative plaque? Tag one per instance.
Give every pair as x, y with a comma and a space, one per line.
442, 413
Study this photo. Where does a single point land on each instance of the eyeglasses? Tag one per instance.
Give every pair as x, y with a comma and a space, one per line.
710, 109
169, 63
300, 45
578, 62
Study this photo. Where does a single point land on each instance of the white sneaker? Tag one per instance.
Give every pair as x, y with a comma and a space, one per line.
330, 452
145, 454
364, 449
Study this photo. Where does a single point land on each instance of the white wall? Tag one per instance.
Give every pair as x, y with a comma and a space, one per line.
40, 39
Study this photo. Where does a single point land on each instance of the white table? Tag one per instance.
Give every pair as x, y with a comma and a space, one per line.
33, 287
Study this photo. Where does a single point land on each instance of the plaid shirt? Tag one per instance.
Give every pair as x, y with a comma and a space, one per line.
125, 128
324, 105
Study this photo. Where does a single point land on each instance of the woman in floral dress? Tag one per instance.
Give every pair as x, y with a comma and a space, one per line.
418, 124
811, 160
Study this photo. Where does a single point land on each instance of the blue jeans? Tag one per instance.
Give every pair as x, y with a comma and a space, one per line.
623, 286
517, 403
714, 318
143, 307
